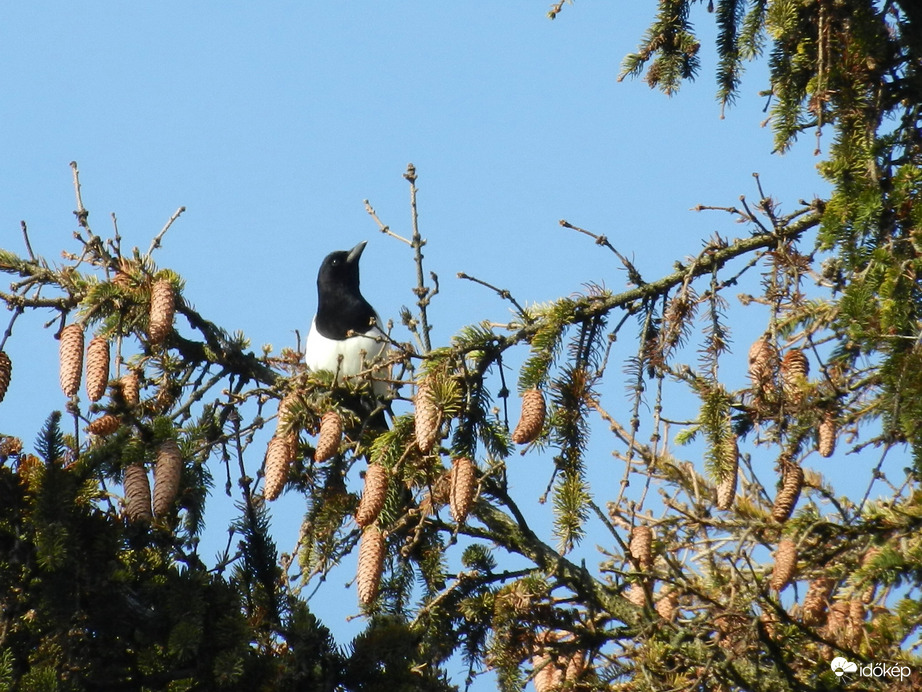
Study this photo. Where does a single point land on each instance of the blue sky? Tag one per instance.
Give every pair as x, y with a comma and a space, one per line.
271, 122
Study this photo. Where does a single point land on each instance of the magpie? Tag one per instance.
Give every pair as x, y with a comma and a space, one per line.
344, 337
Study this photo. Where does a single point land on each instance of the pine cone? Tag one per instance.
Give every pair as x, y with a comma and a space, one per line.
371, 564
837, 619
532, 421
641, 546
548, 676
137, 493
373, 495
6, 372
330, 437
97, 368
726, 488
785, 564
284, 423
131, 389
427, 418
279, 456
463, 488
103, 426
162, 307
817, 600
791, 484
667, 604
794, 371
167, 473
635, 594
71, 356
855, 623
826, 435
763, 359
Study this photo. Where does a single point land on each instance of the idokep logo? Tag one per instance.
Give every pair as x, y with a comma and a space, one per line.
840, 666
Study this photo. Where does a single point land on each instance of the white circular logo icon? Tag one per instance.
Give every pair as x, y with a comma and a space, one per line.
840, 666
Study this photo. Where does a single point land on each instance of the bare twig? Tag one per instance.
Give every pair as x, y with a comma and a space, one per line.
81, 213
501, 292
384, 228
155, 243
25, 236
423, 293
632, 274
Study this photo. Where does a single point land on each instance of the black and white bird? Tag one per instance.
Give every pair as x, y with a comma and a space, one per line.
344, 337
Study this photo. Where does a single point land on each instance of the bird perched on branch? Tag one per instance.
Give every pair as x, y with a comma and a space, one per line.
344, 337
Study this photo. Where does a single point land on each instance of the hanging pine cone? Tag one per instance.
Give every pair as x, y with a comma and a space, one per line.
726, 488
837, 619
285, 421
854, 626
532, 421
162, 307
463, 488
167, 473
826, 435
6, 372
330, 436
279, 456
635, 594
817, 600
97, 368
763, 359
791, 484
794, 371
371, 564
426, 419
548, 676
131, 388
71, 357
137, 493
667, 603
785, 564
373, 495
103, 426
641, 546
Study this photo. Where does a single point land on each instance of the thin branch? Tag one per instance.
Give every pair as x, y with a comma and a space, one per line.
155, 243
501, 292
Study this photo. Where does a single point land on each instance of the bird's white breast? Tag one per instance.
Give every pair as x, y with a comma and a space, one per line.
357, 352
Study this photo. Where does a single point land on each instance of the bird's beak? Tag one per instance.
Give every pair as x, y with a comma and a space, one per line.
356, 252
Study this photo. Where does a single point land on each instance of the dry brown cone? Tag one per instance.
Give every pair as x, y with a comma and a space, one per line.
463, 488
837, 619
103, 426
167, 472
330, 436
763, 359
532, 421
131, 388
279, 455
373, 495
426, 418
641, 546
826, 435
547, 676
817, 600
635, 594
856, 615
371, 564
667, 603
6, 372
97, 368
162, 307
794, 371
284, 420
791, 484
71, 356
726, 488
137, 493
785, 564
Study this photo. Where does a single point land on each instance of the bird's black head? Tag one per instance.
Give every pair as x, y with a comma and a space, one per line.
341, 308
340, 271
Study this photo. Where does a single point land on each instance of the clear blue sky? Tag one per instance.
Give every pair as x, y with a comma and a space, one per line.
271, 122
